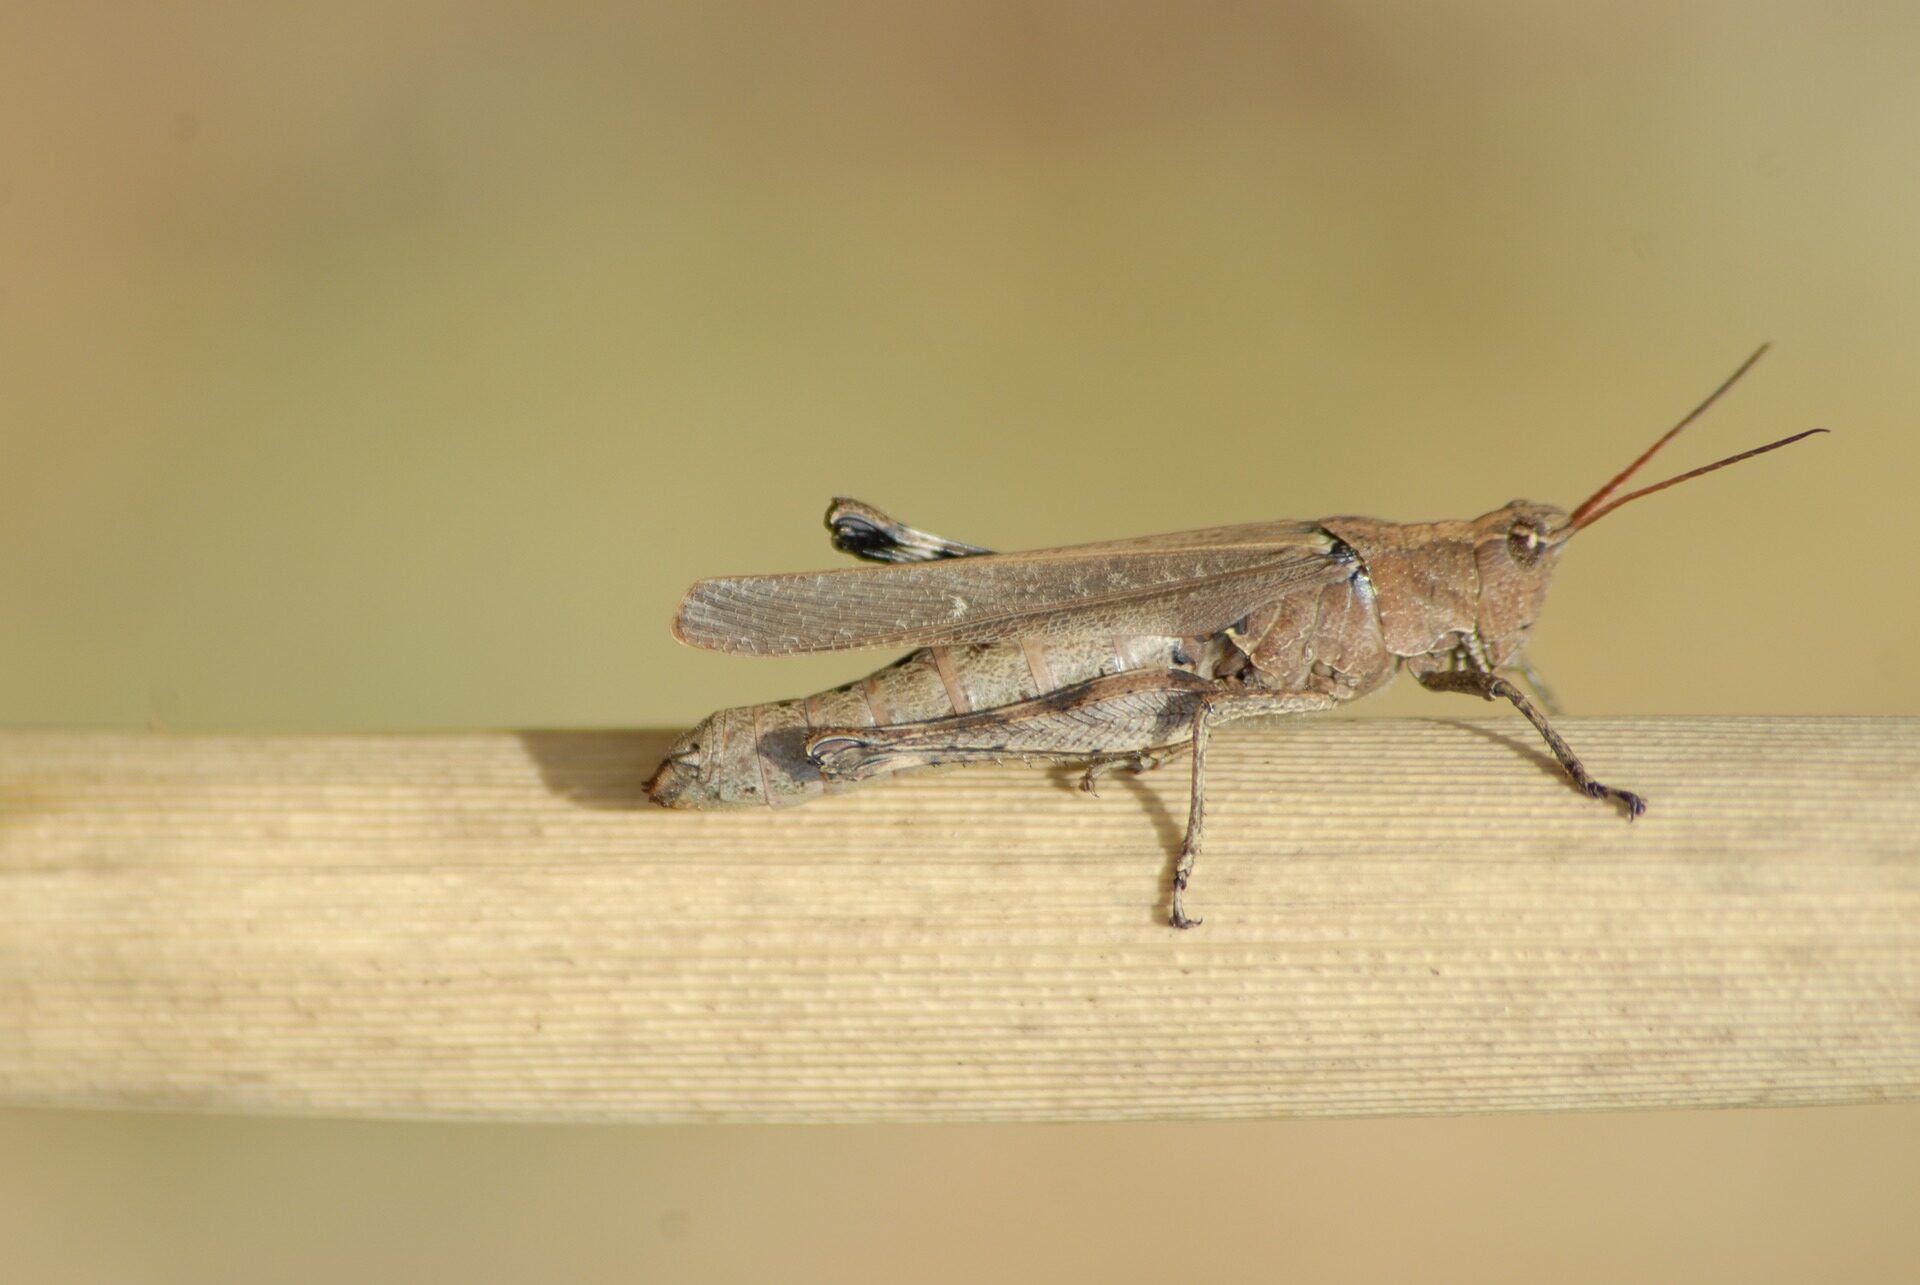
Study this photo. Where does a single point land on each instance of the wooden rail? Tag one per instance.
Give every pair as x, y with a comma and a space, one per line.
1400, 917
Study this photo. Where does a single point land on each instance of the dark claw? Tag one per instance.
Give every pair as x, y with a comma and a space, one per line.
1179, 916
1633, 803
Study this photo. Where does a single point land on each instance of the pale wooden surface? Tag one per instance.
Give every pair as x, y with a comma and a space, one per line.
1401, 917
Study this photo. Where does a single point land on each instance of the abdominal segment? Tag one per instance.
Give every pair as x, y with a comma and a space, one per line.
757, 755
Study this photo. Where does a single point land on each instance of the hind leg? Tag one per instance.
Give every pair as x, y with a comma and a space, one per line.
1143, 715
1115, 716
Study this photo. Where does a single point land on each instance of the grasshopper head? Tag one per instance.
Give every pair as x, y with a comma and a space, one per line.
1517, 546
1515, 549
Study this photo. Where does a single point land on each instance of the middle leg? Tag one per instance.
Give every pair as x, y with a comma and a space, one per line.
1134, 761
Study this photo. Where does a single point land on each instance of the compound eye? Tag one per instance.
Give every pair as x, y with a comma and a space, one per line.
1526, 543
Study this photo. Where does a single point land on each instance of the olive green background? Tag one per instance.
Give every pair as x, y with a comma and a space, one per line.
396, 365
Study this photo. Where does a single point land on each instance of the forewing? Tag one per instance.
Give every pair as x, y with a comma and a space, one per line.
1179, 585
1271, 535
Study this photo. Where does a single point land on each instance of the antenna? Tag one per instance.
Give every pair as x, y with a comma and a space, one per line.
1584, 514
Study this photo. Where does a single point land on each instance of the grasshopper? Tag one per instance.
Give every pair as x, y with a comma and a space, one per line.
1122, 654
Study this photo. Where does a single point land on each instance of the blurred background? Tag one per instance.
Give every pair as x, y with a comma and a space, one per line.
397, 365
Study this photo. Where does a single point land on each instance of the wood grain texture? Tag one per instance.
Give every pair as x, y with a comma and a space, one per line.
1401, 917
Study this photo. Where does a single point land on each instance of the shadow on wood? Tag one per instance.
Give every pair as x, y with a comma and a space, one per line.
605, 770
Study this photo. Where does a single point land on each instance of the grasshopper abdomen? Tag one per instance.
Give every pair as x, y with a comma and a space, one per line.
759, 755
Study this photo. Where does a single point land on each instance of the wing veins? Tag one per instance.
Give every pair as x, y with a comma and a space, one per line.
794, 613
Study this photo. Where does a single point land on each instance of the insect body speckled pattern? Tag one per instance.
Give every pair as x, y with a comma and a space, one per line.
1119, 654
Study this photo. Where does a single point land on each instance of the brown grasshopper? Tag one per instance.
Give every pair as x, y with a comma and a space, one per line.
1122, 653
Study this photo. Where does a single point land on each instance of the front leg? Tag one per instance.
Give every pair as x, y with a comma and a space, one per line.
1542, 692
1478, 682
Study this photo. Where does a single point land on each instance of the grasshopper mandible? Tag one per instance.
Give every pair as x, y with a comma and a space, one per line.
1122, 653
